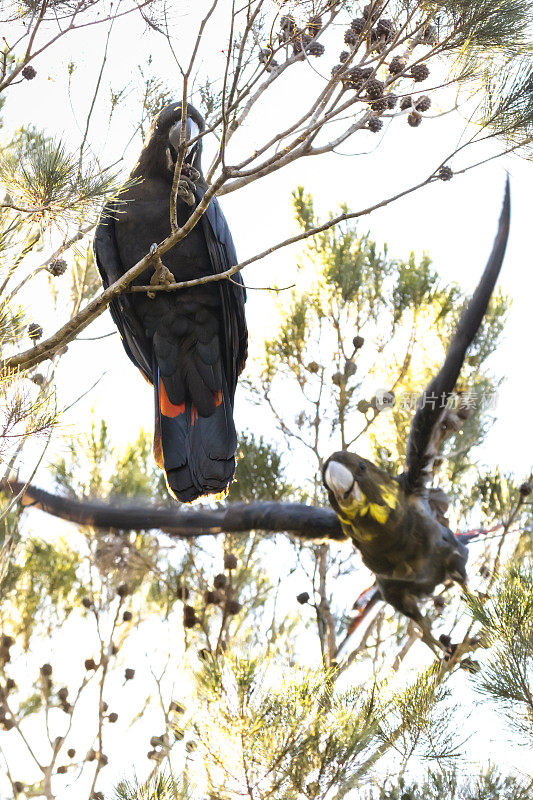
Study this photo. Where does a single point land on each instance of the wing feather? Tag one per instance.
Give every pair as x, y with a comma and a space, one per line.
232, 292
110, 267
425, 426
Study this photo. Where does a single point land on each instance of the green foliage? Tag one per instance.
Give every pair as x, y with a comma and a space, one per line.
418, 720
508, 105
482, 25
494, 492
489, 785
12, 325
30, 705
402, 306
303, 208
11, 230
25, 411
301, 736
50, 184
259, 472
507, 620
95, 469
417, 286
158, 787
85, 279
43, 585
290, 344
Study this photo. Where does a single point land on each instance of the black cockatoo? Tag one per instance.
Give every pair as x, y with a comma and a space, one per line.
397, 522
190, 344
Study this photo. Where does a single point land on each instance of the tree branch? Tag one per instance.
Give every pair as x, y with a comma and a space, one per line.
309, 522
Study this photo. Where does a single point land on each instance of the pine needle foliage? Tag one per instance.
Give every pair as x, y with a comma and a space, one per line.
259, 474
50, 185
276, 731
25, 410
507, 620
451, 785
44, 584
483, 25
158, 787
508, 104
418, 720
12, 324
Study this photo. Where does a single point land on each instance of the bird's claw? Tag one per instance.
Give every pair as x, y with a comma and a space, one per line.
456, 651
190, 172
186, 190
162, 277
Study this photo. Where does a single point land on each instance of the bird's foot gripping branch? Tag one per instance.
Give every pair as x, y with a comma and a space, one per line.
162, 275
187, 184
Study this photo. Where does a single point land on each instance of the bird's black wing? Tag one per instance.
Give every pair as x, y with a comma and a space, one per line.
232, 292
426, 422
108, 261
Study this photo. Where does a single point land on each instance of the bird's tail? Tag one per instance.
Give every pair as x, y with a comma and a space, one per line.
197, 453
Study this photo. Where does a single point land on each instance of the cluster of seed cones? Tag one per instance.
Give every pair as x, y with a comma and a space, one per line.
221, 594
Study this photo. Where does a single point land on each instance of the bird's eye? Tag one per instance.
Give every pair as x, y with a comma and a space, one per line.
362, 467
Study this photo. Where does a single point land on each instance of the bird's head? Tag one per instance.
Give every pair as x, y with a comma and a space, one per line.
358, 490
168, 125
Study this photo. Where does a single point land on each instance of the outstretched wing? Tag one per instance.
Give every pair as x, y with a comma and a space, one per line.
424, 434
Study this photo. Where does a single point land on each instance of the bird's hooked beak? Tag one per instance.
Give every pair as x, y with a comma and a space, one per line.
191, 132
342, 483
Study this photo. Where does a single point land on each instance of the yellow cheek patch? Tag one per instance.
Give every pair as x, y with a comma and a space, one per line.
377, 512
389, 494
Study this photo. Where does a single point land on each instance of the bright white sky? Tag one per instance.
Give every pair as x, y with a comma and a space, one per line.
455, 222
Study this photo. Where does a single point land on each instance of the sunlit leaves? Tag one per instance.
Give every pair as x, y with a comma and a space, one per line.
11, 324
25, 410
158, 787
281, 730
452, 785
417, 719
45, 579
406, 311
259, 473
49, 184
508, 105
93, 468
507, 620
484, 24
415, 285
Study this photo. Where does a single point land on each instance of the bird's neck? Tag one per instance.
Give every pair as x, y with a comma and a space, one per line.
153, 161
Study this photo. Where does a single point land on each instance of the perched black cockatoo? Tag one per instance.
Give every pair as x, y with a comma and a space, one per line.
190, 344
397, 522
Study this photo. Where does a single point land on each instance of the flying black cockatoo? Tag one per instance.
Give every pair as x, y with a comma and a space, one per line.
189, 344
397, 522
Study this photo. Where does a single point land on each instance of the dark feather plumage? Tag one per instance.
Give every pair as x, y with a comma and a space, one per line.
397, 523
192, 344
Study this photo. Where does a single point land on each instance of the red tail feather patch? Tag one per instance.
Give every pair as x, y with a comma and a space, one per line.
168, 409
